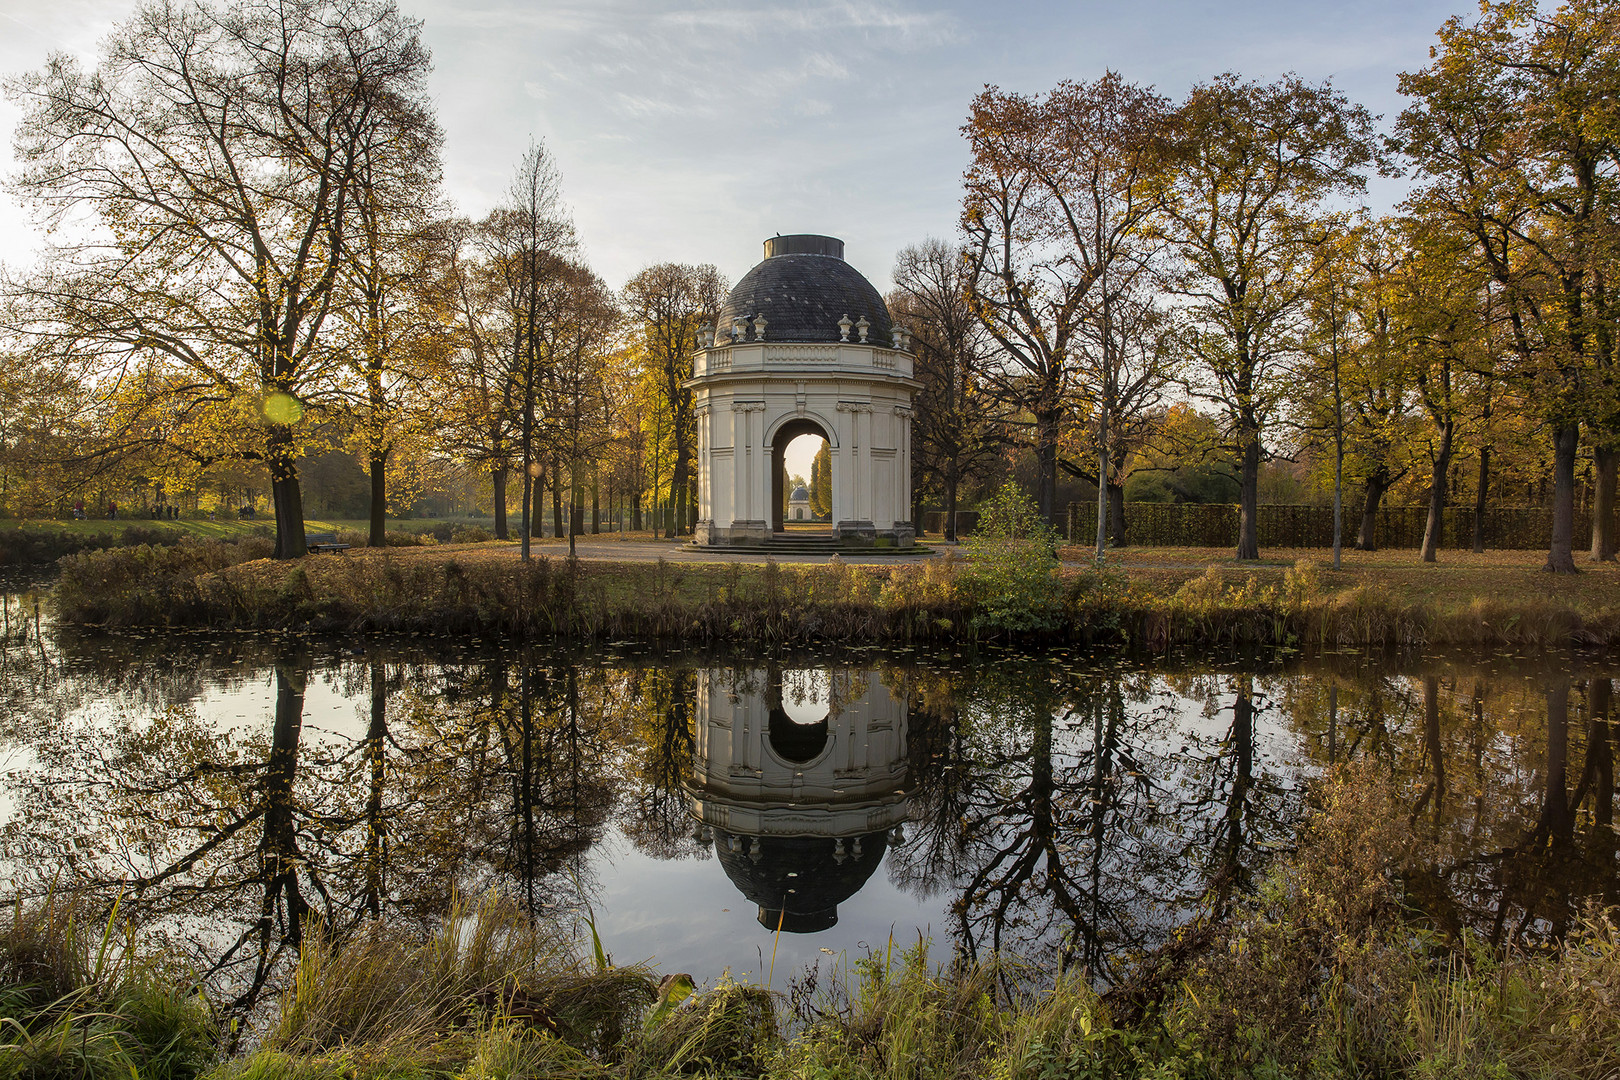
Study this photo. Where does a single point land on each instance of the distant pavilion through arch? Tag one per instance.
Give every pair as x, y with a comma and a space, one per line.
804, 345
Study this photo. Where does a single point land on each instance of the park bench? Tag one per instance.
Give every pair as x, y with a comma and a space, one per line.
319, 542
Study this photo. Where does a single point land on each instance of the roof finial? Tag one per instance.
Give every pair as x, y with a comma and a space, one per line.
843, 327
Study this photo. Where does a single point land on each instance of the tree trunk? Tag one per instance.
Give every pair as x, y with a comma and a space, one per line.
1377, 484
576, 506
1116, 514
556, 501
497, 483
285, 493
1480, 493
950, 508
527, 515
677, 486
1561, 552
1437, 494
1046, 445
1102, 493
278, 851
1604, 464
596, 503
1248, 545
378, 536
635, 512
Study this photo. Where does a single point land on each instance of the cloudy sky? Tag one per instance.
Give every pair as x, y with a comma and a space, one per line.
691, 132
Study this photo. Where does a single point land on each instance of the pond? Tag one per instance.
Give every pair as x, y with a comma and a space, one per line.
760, 813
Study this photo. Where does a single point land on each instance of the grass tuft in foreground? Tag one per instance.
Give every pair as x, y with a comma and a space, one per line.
79, 1000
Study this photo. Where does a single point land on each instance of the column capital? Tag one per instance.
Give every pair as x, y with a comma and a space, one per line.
747, 406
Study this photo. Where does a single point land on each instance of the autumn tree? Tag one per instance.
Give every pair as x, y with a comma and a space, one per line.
666, 304
213, 154
1244, 165
477, 396
528, 242
1441, 314
1128, 363
955, 435
1055, 197
387, 320
575, 344
1511, 130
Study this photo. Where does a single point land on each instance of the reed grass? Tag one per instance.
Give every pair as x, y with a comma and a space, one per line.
471, 590
79, 999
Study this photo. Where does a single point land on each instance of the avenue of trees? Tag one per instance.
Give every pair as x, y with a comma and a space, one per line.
253, 271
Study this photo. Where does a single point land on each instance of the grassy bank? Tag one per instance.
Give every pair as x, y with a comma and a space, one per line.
28, 541
1327, 972
475, 589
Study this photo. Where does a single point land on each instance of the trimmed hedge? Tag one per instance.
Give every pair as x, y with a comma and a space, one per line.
1215, 525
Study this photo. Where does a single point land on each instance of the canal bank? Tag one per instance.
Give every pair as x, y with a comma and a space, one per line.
1149, 600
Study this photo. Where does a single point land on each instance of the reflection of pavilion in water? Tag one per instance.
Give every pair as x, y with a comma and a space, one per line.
798, 779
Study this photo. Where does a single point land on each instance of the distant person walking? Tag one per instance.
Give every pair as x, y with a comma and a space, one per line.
78, 509
112, 510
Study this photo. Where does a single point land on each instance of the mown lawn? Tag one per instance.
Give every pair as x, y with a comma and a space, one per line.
1507, 576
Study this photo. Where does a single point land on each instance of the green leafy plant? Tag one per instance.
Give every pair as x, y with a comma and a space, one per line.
1011, 575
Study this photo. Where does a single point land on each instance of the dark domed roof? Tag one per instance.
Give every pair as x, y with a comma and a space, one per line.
803, 288
800, 493
799, 881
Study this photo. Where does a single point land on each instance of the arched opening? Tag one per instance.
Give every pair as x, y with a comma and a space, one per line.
800, 704
794, 456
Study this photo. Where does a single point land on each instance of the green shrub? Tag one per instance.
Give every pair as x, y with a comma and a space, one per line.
471, 534
1012, 569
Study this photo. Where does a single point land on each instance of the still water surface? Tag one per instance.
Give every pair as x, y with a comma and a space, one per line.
1055, 805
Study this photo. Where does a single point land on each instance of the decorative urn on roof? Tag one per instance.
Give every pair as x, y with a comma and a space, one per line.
803, 345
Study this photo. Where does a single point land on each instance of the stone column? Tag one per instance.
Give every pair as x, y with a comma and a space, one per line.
705, 469
844, 467
749, 471
902, 420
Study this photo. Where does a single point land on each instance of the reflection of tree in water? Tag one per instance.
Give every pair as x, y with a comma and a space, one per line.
657, 821
1511, 845
1065, 820
495, 774
1071, 812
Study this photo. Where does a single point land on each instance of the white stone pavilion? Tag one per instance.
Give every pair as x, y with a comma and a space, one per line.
804, 345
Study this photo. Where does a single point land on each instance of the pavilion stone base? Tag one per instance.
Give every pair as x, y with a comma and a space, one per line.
863, 534
737, 534
846, 535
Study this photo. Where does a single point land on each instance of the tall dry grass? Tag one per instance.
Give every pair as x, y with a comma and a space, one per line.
223, 586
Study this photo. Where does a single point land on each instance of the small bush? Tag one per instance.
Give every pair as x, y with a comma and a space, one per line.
1012, 568
410, 539
471, 534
